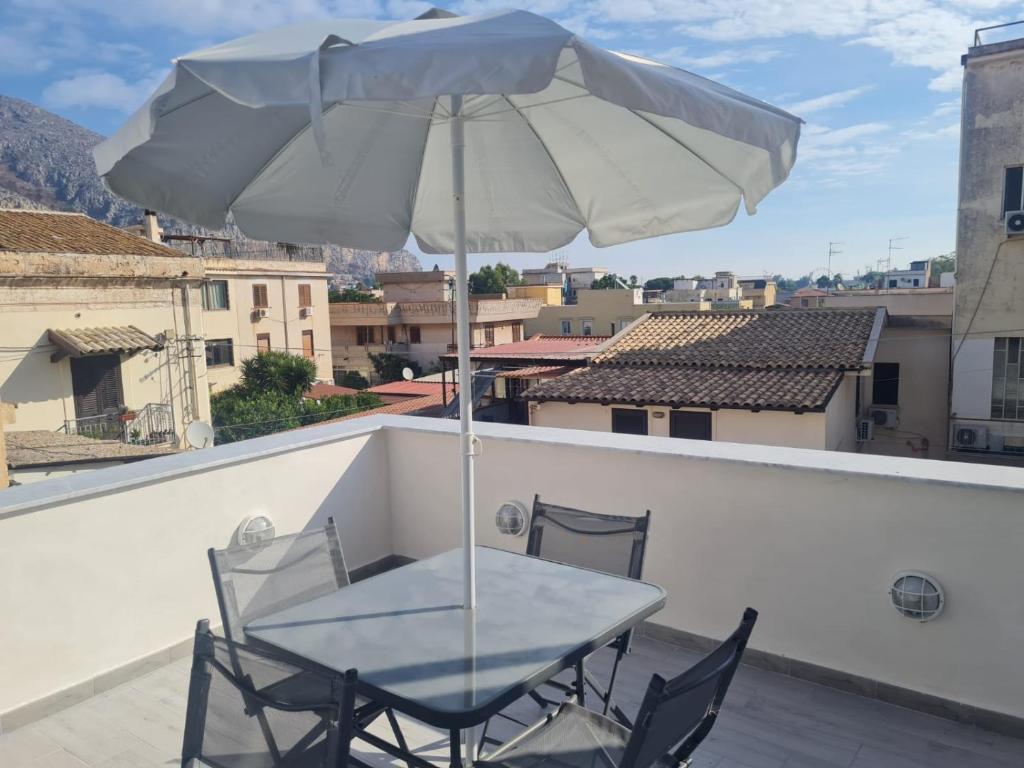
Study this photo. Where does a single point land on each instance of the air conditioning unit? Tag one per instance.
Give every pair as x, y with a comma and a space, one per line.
887, 418
260, 312
305, 312
865, 430
970, 436
1014, 223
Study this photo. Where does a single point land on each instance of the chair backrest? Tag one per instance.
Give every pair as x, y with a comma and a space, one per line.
235, 719
613, 544
677, 714
259, 579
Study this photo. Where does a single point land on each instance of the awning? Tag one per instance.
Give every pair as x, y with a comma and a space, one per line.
79, 342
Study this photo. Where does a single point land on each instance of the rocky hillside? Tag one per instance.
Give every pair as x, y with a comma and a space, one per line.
46, 162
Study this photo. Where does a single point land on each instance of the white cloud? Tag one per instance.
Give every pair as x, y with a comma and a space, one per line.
839, 136
724, 58
102, 90
922, 134
829, 100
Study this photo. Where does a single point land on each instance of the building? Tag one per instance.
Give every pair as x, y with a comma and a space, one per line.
908, 397
808, 297
549, 295
260, 297
416, 319
987, 402
568, 279
722, 292
102, 332
761, 291
775, 378
914, 277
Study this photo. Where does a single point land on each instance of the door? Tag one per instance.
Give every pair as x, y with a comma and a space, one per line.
694, 425
307, 344
262, 342
96, 385
629, 421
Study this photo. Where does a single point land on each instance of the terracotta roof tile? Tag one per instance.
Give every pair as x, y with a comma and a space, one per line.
769, 339
51, 232
541, 347
689, 387
102, 340
321, 390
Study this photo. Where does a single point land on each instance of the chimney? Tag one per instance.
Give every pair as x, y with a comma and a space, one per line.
151, 227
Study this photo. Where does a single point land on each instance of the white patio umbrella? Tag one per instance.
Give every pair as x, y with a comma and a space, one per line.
502, 132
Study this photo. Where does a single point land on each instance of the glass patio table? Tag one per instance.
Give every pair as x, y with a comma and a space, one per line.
418, 652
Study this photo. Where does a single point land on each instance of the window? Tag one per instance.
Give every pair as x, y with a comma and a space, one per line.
262, 342
629, 421
488, 334
305, 296
1007, 386
517, 332
567, 327
220, 352
917, 282
307, 345
391, 333
366, 334
259, 296
414, 334
692, 425
587, 326
804, 303
623, 323
215, 294
892, 283
885, 384
1013, 189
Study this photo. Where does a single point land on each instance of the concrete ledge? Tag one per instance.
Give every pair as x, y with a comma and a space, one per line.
937, 706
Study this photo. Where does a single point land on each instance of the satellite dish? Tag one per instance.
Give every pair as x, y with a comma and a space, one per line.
199, 434
407, 374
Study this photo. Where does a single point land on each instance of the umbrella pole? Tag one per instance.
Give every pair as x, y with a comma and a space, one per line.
467, 439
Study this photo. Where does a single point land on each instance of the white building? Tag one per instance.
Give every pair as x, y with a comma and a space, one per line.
916, 276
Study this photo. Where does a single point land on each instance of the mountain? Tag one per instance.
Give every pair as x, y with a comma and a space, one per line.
46, 162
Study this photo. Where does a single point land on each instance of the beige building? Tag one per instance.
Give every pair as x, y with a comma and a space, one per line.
102, 331
907, 397
987, 406
416, 319
260, 297
774, 378
549, 295
761, 291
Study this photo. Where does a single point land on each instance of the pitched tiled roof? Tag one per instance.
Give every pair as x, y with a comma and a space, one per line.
429, 405
51, 232
321, 390
541, 347
746, 388
791, 361
126, 339
408, 388
536, 372
768, 339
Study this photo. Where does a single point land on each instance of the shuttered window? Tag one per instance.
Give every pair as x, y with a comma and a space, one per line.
307, 344
262, 342
305, 296
259, 296
96, 385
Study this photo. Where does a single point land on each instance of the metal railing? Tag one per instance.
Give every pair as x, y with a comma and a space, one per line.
254, 250
1009, 35
153, 424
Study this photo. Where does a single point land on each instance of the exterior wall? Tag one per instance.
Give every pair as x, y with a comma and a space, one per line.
760, 297
841, 416
416, 286
285, 325
990, 266
738, 525
42, 390
727, 425
550, 295
921, 302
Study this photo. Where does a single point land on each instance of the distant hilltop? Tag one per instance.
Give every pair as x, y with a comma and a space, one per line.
46, 163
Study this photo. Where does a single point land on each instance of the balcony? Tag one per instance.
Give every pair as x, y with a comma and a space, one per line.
94, 670
153, 424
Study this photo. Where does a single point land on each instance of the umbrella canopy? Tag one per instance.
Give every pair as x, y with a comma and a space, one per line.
501, 132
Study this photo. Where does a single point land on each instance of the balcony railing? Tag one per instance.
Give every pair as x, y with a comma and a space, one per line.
255, 251
153, 424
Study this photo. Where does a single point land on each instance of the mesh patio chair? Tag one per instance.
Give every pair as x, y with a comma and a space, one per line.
256, 580
613, 544
674, 718
239, 716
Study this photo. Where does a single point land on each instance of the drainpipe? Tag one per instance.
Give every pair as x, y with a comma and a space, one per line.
186, 312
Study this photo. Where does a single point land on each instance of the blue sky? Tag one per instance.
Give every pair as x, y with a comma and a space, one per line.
877, 82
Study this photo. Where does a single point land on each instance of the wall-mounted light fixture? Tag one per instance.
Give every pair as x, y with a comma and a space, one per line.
511, 518
917, 595
254, 529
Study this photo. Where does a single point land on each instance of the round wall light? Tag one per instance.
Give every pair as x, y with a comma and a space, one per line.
511, 518
917, 595
255, 529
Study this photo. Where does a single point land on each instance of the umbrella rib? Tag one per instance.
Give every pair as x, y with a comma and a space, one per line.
544, 146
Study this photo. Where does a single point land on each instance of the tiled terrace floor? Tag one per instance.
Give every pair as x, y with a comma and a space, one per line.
769, 721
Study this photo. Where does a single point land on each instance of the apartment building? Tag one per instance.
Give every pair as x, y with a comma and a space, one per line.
761, 291
416, 318
987, 405
259, 297
915, 276
722, 291
102, 339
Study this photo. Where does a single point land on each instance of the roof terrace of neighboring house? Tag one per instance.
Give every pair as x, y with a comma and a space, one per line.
787, 378
96, 657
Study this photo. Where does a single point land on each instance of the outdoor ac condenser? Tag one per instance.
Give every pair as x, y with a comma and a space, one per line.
1014, 223
887, 418
970, 436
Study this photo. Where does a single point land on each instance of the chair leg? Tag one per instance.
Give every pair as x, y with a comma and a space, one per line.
580, 684
397, 730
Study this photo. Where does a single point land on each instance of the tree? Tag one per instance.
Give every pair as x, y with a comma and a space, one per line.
239, 414
352, 379
944, 263
610, 281
277, 372
389, 366
494, 279
634, 281
837, 279
349, 295
660, 284
823, 282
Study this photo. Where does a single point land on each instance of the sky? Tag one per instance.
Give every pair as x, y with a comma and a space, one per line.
878, 84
